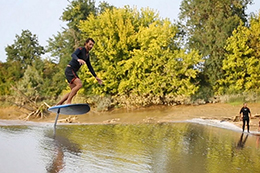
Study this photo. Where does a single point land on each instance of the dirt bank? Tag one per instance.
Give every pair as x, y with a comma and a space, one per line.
219, 111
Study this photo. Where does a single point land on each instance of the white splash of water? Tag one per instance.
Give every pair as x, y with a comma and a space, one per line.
215, 123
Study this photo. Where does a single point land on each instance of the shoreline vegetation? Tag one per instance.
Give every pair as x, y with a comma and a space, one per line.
228, 112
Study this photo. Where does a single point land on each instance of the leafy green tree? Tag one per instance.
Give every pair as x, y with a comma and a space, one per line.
137, 53
159, 67
103, 6
38, 82
208, 24
60, 48
42, 77
64, 43
9, 74
54, 81
25, 50
78, 10
241, 64
114, 32
30, 84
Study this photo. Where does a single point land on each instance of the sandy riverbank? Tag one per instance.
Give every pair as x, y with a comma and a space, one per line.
218, 111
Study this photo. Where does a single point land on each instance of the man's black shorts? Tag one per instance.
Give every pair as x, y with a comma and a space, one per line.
70, 75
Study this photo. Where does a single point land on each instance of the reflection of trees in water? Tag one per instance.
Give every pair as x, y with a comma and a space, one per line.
242, 141
61, 145
257, 141
16, 129
164, 146
258, 137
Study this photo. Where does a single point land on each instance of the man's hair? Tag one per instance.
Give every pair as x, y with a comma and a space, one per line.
89, 39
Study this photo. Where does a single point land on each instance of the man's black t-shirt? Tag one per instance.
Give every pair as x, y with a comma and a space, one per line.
81, 53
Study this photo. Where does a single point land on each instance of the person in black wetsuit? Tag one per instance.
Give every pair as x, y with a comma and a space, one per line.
79, 58
245, 115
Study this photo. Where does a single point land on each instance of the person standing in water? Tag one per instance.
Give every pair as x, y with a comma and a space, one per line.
79, 58
245, 116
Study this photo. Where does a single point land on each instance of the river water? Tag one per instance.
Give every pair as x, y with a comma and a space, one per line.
195, 146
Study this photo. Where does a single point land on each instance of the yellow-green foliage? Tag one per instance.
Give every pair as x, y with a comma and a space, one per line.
138, 53
241, 64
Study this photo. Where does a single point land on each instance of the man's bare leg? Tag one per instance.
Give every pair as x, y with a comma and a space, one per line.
77, 84
64, 98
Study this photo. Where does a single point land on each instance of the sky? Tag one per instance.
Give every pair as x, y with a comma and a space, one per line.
42, 17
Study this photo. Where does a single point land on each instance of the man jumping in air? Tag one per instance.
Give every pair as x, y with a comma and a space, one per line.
79, 57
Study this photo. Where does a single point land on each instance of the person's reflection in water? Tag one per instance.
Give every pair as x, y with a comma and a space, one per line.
258, 136
241, 142
61, 144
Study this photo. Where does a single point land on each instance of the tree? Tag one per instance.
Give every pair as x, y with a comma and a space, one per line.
31, 83
114, 32
64, 43
241, 64
208, 24
78, 10
103, 6
137, 53
159, 67
54, 81
25, 50
9, 74
24, 68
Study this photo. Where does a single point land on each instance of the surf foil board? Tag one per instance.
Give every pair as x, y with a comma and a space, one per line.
70, 109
